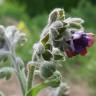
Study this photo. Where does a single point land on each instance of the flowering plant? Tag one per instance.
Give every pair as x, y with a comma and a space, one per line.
60, 38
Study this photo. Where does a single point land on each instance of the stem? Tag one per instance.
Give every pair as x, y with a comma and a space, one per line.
19, 74
31, 68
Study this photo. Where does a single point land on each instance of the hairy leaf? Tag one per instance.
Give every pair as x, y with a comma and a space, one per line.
45, 39
6, 72
1, 94
54, 82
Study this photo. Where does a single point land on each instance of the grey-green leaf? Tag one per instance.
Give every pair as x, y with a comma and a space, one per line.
34, 91
47, 55
45, 39
6, 72
54, 82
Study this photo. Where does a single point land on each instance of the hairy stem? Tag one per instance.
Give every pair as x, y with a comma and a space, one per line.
31, 69
16, 65
18, 73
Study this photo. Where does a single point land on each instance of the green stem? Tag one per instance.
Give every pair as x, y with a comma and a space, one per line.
19, 75
16, 65
31, 68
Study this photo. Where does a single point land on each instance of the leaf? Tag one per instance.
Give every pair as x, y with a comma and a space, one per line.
48, 46
45, 39
77, 20
61, 14
47, 55
58, 57
53, 81
34, 91
1, 94
6, 72
74, 20
75, 25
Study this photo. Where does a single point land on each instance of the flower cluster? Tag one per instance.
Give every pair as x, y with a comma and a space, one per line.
60, 38
66, 35
9, 37
80, 41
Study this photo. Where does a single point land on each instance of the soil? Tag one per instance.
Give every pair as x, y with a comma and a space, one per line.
12, 88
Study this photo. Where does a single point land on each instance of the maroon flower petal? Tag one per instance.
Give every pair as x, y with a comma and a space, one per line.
83, 52
70, 53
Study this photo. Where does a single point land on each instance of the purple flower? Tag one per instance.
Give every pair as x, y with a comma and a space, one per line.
80, 44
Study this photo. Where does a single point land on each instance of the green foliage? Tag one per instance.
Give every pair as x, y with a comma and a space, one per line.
1, 94
34, 91
53, 81
10, 11
80, 66
6, 72
46, 5
86, 11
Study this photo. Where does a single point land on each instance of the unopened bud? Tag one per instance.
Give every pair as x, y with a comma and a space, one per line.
47, 69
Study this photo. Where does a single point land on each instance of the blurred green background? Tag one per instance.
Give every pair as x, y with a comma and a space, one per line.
31, 16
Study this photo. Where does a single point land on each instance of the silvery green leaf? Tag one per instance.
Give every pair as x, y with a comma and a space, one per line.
19, 37
4, 55
10, 31
3, 43
48, 46
4, 52
2, 31
53, 81
20, 62
52, 16
1, 94
38, 48
56, 14
36, 89
74, 20
58, 57
23, 76
47, 55
45, 39
6, 72
57, 24
60, 44
57, 54
61, 14
75, 25
14, 35
55, 51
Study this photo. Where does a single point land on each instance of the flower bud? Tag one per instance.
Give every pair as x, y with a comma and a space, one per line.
55, 79
38, 47
47, 69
